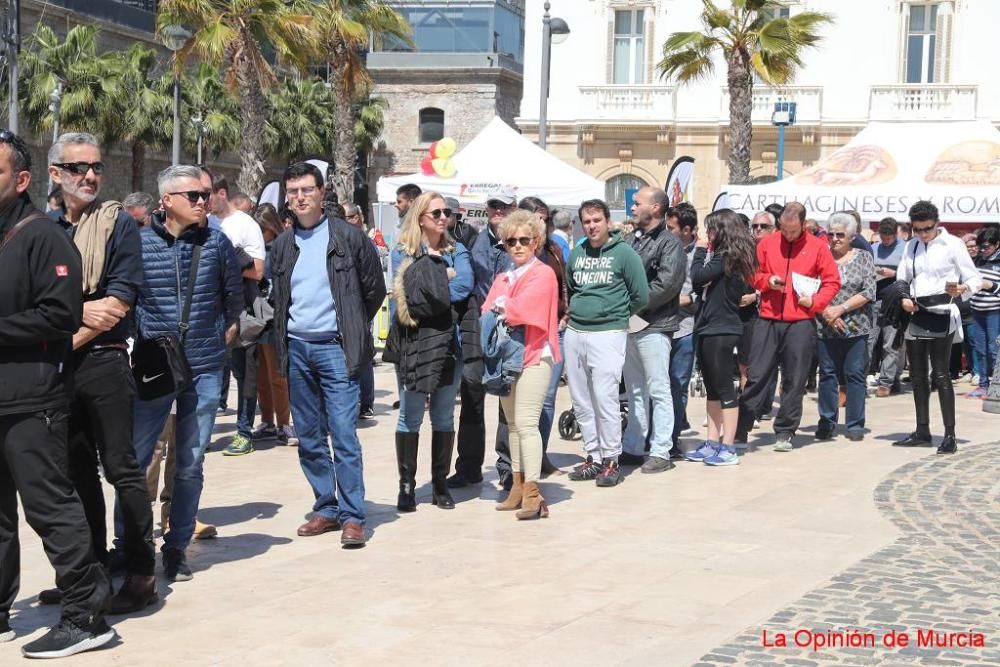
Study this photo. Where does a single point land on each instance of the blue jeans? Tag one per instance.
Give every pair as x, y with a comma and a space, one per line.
681, 366
983, 334
647, 381
318, 381
842, 358
411, 406
366, 382
246, 408
196, 409
547, 416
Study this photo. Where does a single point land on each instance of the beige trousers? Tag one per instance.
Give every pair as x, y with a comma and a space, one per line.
522, 408
167, 441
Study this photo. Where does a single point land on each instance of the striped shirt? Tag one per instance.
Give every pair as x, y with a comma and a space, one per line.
988, 299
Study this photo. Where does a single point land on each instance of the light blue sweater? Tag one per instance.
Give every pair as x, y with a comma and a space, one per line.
312, 314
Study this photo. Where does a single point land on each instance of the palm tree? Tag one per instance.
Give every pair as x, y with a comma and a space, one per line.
751, 41
370, 122
87, 83
237, 36
345, 28
300, 119
204, 96
141, 116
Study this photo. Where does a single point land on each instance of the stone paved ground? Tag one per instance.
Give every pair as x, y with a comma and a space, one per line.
943, 573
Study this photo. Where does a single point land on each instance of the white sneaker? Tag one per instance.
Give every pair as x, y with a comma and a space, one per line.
690, 433
289, 432
974, 380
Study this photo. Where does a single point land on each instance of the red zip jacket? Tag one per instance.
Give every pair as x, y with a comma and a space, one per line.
807, 256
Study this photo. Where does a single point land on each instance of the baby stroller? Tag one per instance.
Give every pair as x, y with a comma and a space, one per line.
569, 428
697, 384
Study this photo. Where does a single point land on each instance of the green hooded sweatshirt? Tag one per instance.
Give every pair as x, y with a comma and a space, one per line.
607, 285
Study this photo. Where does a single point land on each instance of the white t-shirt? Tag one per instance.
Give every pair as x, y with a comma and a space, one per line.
244, 232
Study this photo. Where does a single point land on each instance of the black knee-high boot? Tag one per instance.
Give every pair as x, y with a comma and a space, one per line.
406, 459
442, 443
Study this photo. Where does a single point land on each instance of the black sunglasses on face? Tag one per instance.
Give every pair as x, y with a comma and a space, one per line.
986, 245
80, 168
520, 240
440, 213
498, 205
923, 230
194, 195
837, 235
757, 227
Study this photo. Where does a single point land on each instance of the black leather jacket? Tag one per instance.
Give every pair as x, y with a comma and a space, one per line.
666, 267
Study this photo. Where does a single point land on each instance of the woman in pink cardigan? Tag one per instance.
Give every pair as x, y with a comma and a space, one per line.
527, 295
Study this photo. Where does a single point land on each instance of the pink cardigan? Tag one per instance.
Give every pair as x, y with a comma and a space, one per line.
533, 300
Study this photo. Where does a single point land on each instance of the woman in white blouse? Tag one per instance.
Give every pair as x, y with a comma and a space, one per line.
939, 270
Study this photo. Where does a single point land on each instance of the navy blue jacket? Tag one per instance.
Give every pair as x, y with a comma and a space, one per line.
216, 301
489, 259
122, 272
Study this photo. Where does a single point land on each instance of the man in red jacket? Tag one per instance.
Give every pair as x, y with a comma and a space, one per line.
785, 334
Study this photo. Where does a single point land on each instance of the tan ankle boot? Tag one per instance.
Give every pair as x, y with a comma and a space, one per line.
532, 504
513, 500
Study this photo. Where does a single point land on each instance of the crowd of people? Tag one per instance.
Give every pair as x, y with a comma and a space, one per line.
120, 323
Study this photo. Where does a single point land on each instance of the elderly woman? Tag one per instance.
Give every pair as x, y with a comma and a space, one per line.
527, 295
843, 332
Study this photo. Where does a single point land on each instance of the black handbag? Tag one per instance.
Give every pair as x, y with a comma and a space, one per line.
924, 323
159, 365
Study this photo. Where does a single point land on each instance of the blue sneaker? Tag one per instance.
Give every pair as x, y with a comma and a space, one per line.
707, 448
726, 456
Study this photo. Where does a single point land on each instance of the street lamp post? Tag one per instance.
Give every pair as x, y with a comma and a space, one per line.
783, 116
55, 106
199, 128
12, 45
174, 38
554, 31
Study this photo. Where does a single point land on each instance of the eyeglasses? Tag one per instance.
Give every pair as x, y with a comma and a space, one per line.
307, 191
923, 230
194, 196
520, 240
759, 227
439, 213
80, 168
837, 235
498, 205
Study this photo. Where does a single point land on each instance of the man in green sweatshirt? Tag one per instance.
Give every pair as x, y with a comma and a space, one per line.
607, 285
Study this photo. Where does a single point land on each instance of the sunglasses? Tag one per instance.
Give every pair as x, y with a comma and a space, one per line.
498, 205
983, 246
758, 227
80, 168
837, 235
923, 230
520, 240
194, 196
440, 213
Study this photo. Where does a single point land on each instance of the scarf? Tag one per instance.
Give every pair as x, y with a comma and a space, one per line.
91, 239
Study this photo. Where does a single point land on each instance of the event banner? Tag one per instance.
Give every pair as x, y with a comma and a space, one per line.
680, 180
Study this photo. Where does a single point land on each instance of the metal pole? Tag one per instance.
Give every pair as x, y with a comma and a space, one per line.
55, 107
543, 102
199, 146
13, 47
781, 151
176, 155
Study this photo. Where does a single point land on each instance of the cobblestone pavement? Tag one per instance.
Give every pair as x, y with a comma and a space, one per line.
943, 574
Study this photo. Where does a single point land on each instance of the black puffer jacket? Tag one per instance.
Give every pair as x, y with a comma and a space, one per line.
422, 336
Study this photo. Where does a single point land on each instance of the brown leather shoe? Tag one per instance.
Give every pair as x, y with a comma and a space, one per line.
136, 594
317, 526
353, 536
883, 392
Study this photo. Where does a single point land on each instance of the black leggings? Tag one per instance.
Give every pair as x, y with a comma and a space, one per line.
716, 358
937, 351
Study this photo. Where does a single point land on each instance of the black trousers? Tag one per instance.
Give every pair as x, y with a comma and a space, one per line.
790, 345
101, 427
471, 431
936, 353
33, 463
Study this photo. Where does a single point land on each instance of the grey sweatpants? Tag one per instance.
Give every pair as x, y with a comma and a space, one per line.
594, 363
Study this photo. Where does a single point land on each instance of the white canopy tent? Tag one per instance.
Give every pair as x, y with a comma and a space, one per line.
888, 167
500, 158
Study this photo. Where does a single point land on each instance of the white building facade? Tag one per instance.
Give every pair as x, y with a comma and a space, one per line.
611, 115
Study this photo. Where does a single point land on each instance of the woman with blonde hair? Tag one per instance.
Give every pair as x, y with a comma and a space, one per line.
527, 296
433, 275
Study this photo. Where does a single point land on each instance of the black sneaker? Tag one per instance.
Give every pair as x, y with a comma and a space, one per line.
586, 471
610, 475
627, 459
175, 565
116, 560
676, 453
824, 432
68, 639
366, 413
6, 634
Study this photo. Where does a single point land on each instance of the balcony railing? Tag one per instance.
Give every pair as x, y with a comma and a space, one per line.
808, 100
138, 14
921, 101
627, 103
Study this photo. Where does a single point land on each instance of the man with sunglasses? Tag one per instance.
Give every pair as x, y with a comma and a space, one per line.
327, 287
41, 307
489, 259
168, 252
101, 412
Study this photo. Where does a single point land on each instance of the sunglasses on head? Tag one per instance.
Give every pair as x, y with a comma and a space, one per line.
440, 213
519, 240
194, 195
80, 168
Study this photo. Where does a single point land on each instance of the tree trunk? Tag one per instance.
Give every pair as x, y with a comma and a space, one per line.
138, 164
740, 83
345, 150
252, 115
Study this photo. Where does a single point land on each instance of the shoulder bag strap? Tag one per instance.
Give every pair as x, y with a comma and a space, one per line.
19, 226
183, 325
